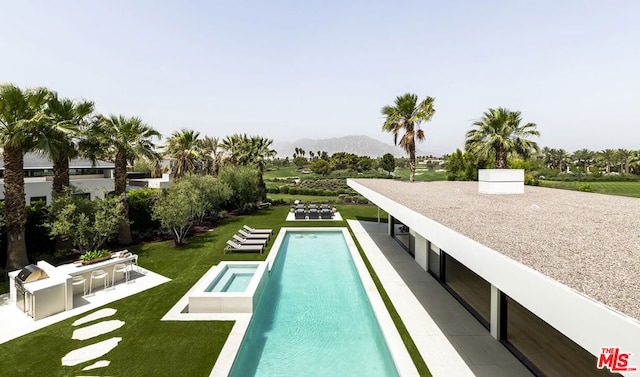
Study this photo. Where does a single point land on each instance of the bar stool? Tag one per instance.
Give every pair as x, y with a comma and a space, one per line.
80, 280
97, 275
134, 261
120, 267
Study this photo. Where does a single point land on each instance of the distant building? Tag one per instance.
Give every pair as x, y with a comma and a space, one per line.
93, 179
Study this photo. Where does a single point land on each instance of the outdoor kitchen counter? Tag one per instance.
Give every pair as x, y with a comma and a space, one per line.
74, 269
55, 293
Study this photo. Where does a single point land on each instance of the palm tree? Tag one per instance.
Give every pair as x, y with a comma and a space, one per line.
21, 116
183, 147
634, 162
260, 152
233, 145
624, 156
608, 156
65, 119
499, 134
121, 140
561, 157
211, 155
405, 117
583, 157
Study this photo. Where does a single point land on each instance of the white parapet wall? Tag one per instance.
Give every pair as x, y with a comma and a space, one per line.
501, 181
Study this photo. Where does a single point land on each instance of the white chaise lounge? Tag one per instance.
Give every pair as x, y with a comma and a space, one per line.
254, 230
250, 241
232, 246
253, 235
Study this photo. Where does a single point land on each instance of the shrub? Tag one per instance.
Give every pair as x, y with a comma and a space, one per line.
95, 254
585, 188
140, 204
244, 184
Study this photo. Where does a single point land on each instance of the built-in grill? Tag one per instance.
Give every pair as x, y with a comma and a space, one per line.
28, 274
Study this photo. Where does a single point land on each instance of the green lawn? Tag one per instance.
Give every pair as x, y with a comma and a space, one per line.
152, 347
285, 172
422, 174
626, 188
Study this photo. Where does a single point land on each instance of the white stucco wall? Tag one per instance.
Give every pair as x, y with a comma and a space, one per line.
421, 251
35, 187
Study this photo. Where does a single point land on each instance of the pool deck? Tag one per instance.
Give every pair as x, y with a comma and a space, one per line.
451, 341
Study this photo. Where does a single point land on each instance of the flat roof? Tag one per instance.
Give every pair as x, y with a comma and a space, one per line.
589, 242
40, 161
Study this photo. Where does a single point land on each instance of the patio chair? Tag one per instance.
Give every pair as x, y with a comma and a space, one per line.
254, 230
232, 246
300, 214
246, 235
314, 214
326, 214
247, 241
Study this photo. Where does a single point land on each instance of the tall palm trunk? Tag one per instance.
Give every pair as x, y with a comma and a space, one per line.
120, 178
15, 207
412, 164
60, 174
501, 158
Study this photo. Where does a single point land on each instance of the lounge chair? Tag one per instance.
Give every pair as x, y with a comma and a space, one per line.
300, 206
325, 206
254, 230
232, 246
314, 214
313, 206
250, 241
326, 214
253, 236
300, 214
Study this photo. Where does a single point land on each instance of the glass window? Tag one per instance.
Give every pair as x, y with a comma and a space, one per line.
34, 199
551, 352
434, 260
470, 287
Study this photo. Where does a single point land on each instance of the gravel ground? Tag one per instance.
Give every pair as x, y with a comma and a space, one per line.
590, 242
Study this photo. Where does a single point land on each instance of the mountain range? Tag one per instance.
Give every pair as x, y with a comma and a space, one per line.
361, 145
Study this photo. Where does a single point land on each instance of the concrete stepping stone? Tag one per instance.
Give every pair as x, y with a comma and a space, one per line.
91, 352
96, 329
102, 313
98, 364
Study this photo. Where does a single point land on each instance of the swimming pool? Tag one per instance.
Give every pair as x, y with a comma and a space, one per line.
314, 317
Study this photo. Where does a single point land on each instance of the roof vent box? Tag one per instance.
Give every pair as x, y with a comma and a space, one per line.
501, 181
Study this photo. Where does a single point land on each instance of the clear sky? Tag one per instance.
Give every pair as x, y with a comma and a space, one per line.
295, 69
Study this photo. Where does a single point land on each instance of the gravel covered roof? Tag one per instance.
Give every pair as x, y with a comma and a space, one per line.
590, 242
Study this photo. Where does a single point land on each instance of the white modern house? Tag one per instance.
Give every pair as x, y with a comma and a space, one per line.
93, 179
553, 275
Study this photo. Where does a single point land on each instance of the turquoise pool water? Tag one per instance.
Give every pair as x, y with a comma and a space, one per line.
314, 318
233, 279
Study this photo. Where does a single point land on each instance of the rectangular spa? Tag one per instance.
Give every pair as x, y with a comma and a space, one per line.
229, 287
